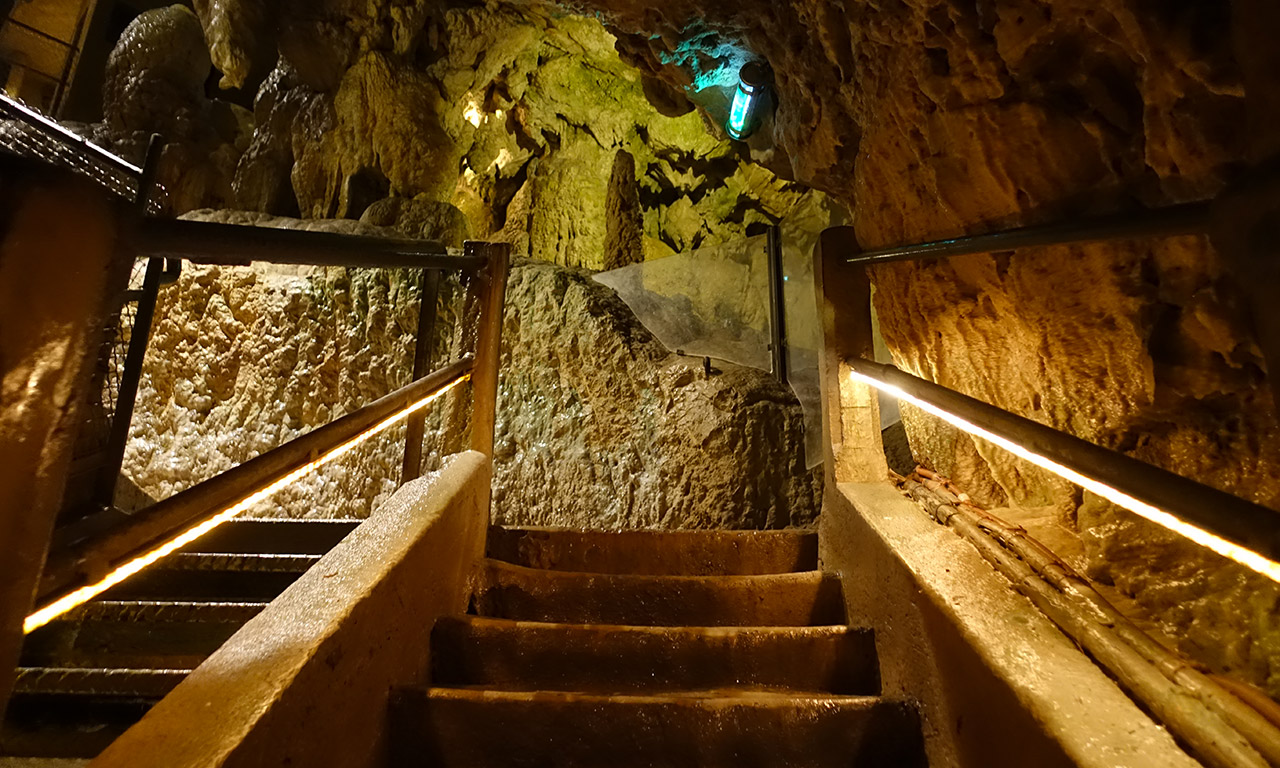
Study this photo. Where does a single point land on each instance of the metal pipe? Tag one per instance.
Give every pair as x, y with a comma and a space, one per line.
1172, 221
139, 337
1222, 515
89, 560
204, 242
777, 304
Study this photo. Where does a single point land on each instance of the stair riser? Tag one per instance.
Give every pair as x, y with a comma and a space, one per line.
161, 583
789, 600
804, 734
673, 553
309, 537
608, 659
153, 645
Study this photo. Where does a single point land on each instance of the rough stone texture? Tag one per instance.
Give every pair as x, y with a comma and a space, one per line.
515, 117
930, 118
243, 359
598, 425
623, 228
155, 84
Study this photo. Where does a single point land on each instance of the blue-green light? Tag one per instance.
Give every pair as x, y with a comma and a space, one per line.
740, 113
746, 98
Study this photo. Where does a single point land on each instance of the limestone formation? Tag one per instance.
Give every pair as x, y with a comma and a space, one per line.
155, 85
623, 228
928, 119
598, 425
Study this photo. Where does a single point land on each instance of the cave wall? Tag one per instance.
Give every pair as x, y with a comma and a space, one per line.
486, 122
933, 119
928, 118
598, 426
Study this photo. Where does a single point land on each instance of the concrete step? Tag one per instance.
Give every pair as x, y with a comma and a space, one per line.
675, 553
807, 598
519, 655
480, 728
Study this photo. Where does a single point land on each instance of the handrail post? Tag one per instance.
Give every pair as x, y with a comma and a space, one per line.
416, 425
484, 381
139, 337
852, 447
777, 304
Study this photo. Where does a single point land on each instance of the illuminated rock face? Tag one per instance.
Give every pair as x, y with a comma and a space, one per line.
598, 425
933, 119
927, 119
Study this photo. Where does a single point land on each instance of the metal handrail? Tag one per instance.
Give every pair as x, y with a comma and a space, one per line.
1240, 522
204, 242
1171, 221
90, 559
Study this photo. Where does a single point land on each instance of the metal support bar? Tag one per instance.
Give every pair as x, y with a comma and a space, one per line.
89, 560
492, 293
777, 305
1240, 522
421, 364
206, 242
131, 376
1185, 219
127, 396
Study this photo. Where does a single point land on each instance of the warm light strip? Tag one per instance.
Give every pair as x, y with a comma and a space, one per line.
84, 594
1241, 555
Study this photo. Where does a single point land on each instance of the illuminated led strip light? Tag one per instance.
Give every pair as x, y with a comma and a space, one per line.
1228, 549
84, 594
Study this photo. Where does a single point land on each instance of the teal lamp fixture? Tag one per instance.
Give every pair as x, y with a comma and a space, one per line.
753, 84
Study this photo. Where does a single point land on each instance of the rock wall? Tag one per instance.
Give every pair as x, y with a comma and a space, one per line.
939, 118
598, 424
477, 121
928, 118
601, 426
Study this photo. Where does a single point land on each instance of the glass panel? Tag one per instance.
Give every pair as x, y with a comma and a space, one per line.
712, 302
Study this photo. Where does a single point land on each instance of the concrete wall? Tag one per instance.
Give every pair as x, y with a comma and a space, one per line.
997, 684
56, 281
305, 683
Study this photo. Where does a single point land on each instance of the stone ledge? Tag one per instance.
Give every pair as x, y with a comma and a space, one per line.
306, 681
997, 683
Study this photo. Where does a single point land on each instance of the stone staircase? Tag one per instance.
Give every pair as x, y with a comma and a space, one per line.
653, 649
92, 673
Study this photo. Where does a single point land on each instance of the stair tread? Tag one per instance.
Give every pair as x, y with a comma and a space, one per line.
504, 624
656, 552
480, 728
717, 696
97, 681
782, 599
